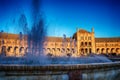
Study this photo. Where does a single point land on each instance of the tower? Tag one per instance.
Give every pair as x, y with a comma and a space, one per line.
78, 42
92, 29
93, 40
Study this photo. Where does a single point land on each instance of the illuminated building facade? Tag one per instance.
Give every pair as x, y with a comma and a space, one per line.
82, 43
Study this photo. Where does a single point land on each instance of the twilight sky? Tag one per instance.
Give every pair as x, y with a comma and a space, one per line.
64, 16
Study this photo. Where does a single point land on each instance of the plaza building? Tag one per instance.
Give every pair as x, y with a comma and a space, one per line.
82, 43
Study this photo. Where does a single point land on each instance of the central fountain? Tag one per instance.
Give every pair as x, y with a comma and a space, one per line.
34, 65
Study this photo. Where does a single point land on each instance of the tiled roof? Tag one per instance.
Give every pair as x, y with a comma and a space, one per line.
56, 39
9, 36
16, 36
83, 31
113, 39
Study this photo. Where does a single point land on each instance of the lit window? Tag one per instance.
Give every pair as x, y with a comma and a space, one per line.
85, 38
82, 38
82, 44
89, 43
89, 38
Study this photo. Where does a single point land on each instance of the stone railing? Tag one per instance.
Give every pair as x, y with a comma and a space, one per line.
62, 72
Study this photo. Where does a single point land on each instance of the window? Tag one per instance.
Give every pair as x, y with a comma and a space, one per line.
56, 44
68, 49
89, 38
85, 43
90, 50
116, 44
86, 38
8, 49
89, 43
82, 38
82, 44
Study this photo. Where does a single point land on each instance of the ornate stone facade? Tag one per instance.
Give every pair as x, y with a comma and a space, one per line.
82, 43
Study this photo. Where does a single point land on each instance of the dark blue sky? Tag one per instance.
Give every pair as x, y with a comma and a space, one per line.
64, 16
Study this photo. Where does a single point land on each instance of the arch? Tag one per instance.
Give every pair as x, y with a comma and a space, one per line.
89, 43
73, 50
98, 50
15, 47
53, 49
16, 51
9, 48
82, 50
69, 54
3, 50
21, 49
107, 50
82, 44
90, 50
68, 49
49, 53
58, 49
63, 50
102, 50
112, 50
85, 43
117, 50
86, 50
48, 50
26, 50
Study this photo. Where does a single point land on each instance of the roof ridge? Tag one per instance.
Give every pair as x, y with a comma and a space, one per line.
84, 31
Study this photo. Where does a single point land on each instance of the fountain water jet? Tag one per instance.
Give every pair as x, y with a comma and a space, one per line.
37, 34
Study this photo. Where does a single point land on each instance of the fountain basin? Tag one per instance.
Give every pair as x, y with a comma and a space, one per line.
93, 71
58, 67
